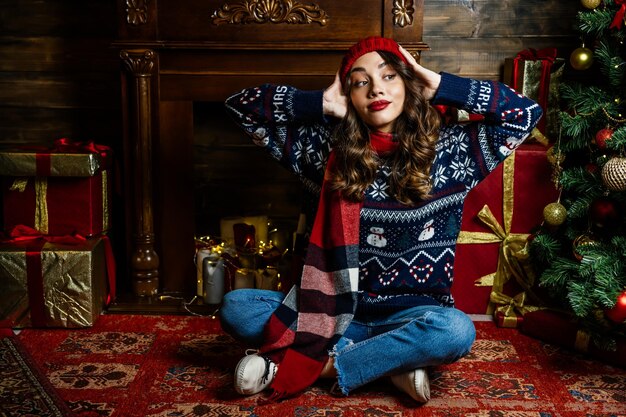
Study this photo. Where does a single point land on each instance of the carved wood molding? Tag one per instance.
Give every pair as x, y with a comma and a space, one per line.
269, 11
137, 12
144, 261
139, 63
403, 12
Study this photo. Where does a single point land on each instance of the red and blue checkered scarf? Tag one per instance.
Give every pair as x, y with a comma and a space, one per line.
314, 315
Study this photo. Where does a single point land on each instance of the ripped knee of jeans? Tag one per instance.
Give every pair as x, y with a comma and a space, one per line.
341, 344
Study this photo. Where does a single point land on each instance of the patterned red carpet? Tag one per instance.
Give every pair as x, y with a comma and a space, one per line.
182, 366
24, 391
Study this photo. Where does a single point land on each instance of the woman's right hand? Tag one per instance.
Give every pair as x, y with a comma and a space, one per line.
334, 102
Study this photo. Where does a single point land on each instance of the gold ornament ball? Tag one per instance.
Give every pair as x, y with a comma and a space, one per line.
554, 214
580, 242
590, 4
581, 59
614, 174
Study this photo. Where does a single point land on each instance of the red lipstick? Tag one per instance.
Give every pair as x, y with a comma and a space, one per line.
378, 105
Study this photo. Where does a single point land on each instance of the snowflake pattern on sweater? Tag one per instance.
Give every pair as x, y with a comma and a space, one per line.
406, 253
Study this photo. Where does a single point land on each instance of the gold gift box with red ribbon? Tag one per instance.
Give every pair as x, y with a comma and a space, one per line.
59, 190
63, 281
492, 271
537, 75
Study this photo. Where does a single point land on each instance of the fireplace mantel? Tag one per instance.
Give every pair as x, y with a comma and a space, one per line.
174, 53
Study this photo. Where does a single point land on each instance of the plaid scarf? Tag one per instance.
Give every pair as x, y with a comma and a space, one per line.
314, 315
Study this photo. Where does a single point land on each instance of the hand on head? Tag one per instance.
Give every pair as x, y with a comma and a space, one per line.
429, 79
334, 102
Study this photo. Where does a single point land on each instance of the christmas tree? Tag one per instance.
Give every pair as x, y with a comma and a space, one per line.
580, 250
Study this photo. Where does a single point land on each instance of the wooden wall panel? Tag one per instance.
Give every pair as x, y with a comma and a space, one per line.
57, 54
65, 18
495, 19
472, 38
43, 125
59, 75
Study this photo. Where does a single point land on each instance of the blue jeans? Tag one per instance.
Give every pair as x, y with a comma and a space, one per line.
371, 347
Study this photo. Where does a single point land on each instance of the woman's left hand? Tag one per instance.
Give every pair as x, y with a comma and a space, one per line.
429, 79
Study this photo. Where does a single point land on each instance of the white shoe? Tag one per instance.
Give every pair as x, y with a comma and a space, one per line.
415, 383
253, 374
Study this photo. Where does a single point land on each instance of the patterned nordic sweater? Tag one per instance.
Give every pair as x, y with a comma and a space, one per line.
406, 253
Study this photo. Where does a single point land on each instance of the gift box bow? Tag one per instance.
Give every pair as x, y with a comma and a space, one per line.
22, 233
79, 159
618, 19
510, 309
530, 54
513, 251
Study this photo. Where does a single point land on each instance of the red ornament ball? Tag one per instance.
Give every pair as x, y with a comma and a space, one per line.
602, 137
604, 213
591, 168
617, 314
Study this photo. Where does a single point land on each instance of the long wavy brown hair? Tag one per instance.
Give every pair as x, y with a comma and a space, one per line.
416, 131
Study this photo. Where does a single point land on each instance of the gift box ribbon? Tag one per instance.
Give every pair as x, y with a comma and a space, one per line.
41, 220
513, 250
43, 154
511, 308
547, 57
34, 273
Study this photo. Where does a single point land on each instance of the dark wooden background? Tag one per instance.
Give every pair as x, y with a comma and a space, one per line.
60, 75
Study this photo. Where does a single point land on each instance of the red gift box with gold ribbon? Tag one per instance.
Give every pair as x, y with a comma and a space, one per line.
54, 281
562, 329
492, 274
60, 190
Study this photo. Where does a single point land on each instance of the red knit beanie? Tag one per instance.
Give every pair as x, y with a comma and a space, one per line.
371, 44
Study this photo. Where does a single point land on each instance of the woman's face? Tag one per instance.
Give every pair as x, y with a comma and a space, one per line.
377, 92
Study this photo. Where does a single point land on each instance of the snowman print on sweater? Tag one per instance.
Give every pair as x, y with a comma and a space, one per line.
376, 237
428, 231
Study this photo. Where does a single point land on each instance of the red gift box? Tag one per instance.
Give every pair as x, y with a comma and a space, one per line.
562, 329
498, 216
57, 191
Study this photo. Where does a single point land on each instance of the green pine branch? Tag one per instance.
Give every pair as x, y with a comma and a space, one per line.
595, 22
580, 181
612, 65
545, 248
618, 140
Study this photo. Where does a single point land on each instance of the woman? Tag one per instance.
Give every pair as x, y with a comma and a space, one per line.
374, 298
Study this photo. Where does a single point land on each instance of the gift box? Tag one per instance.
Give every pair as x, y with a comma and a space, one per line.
492, 274
58, 191
510, 311
62, 281
562, 329
537, 74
